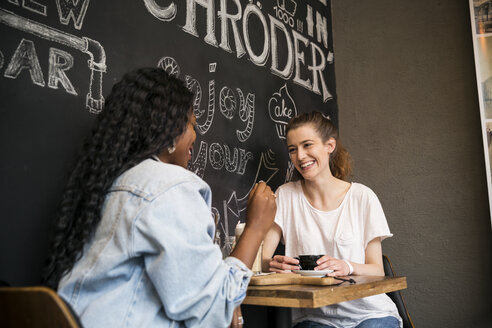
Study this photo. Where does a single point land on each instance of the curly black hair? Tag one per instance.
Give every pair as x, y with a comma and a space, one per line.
143, 114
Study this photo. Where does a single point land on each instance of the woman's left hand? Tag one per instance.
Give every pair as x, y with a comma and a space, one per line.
339, 267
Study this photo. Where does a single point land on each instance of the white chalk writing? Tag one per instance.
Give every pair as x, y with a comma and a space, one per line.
301, 52
25, 57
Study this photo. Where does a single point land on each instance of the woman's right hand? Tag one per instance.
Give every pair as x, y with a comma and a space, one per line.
259, 218
283, 264
261, 208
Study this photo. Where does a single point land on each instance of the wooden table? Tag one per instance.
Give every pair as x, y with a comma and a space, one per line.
309, 296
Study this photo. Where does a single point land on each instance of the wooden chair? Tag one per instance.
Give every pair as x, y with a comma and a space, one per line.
396, 296
35, 307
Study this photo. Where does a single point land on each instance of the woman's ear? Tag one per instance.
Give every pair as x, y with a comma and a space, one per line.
330, 145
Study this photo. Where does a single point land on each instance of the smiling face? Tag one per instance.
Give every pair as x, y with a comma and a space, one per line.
309, 154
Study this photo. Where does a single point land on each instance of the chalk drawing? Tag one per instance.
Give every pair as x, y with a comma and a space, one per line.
231, 164
162, 13
260, 59
190, 26
281, 108
195, 87
234, 205
220, 156
301, 53
216, 156
265, 171
329, 58
321, 26
286, 72
285, 11
246, 114
72, 9
289, 6
226, 226
67, 10
216, 215
225, 16
170, 65
32, 6
25, 58
97, 61
205, 126
198, 165
60, 61
290, 171
227, 102
309, 20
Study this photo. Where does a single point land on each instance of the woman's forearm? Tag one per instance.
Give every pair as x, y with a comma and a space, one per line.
270, 243
367, 269
247, 246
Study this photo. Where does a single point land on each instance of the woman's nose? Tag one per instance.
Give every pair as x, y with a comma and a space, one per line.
301, 154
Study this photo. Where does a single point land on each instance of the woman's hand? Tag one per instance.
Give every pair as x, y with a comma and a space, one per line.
283, 264
259, 218
372, 267
261, 208
339, 267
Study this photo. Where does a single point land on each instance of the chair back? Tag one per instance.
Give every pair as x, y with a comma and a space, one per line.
35, 307
396, 296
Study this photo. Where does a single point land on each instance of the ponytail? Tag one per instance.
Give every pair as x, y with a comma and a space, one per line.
340, 162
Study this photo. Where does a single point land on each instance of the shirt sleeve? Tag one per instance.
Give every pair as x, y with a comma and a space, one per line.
174, 236
279, 213
375, 224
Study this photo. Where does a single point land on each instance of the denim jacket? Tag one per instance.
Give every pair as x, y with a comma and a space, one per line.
152, 261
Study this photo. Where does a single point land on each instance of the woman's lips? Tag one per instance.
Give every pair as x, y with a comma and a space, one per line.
307, 165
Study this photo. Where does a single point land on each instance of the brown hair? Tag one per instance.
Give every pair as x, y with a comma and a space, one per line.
340, 160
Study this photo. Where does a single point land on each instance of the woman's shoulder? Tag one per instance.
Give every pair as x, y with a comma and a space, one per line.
362, 192
289, 187
151, 178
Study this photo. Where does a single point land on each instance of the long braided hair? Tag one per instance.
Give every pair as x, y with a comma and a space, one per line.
144, 113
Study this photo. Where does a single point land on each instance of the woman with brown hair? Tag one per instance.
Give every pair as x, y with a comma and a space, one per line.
321, 213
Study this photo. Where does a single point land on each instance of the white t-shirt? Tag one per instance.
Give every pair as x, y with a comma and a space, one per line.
342, 233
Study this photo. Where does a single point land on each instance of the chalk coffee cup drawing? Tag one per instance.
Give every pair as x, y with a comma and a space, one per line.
308, 262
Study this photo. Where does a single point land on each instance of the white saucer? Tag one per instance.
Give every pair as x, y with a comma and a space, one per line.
312, 273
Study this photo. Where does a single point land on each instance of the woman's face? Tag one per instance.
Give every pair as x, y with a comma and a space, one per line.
308, 153
184, 144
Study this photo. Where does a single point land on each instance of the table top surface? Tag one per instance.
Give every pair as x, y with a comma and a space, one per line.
310, 296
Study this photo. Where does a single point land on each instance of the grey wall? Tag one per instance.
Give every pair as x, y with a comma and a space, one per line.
409, 116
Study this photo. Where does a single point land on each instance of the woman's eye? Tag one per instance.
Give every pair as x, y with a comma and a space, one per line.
291, 150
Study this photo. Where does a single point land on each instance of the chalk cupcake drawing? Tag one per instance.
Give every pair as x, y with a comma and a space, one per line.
281, 108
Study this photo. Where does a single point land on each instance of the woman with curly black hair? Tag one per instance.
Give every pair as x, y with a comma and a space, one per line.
133, 244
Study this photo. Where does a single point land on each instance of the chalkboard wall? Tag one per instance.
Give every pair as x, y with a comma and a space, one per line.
252, 66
